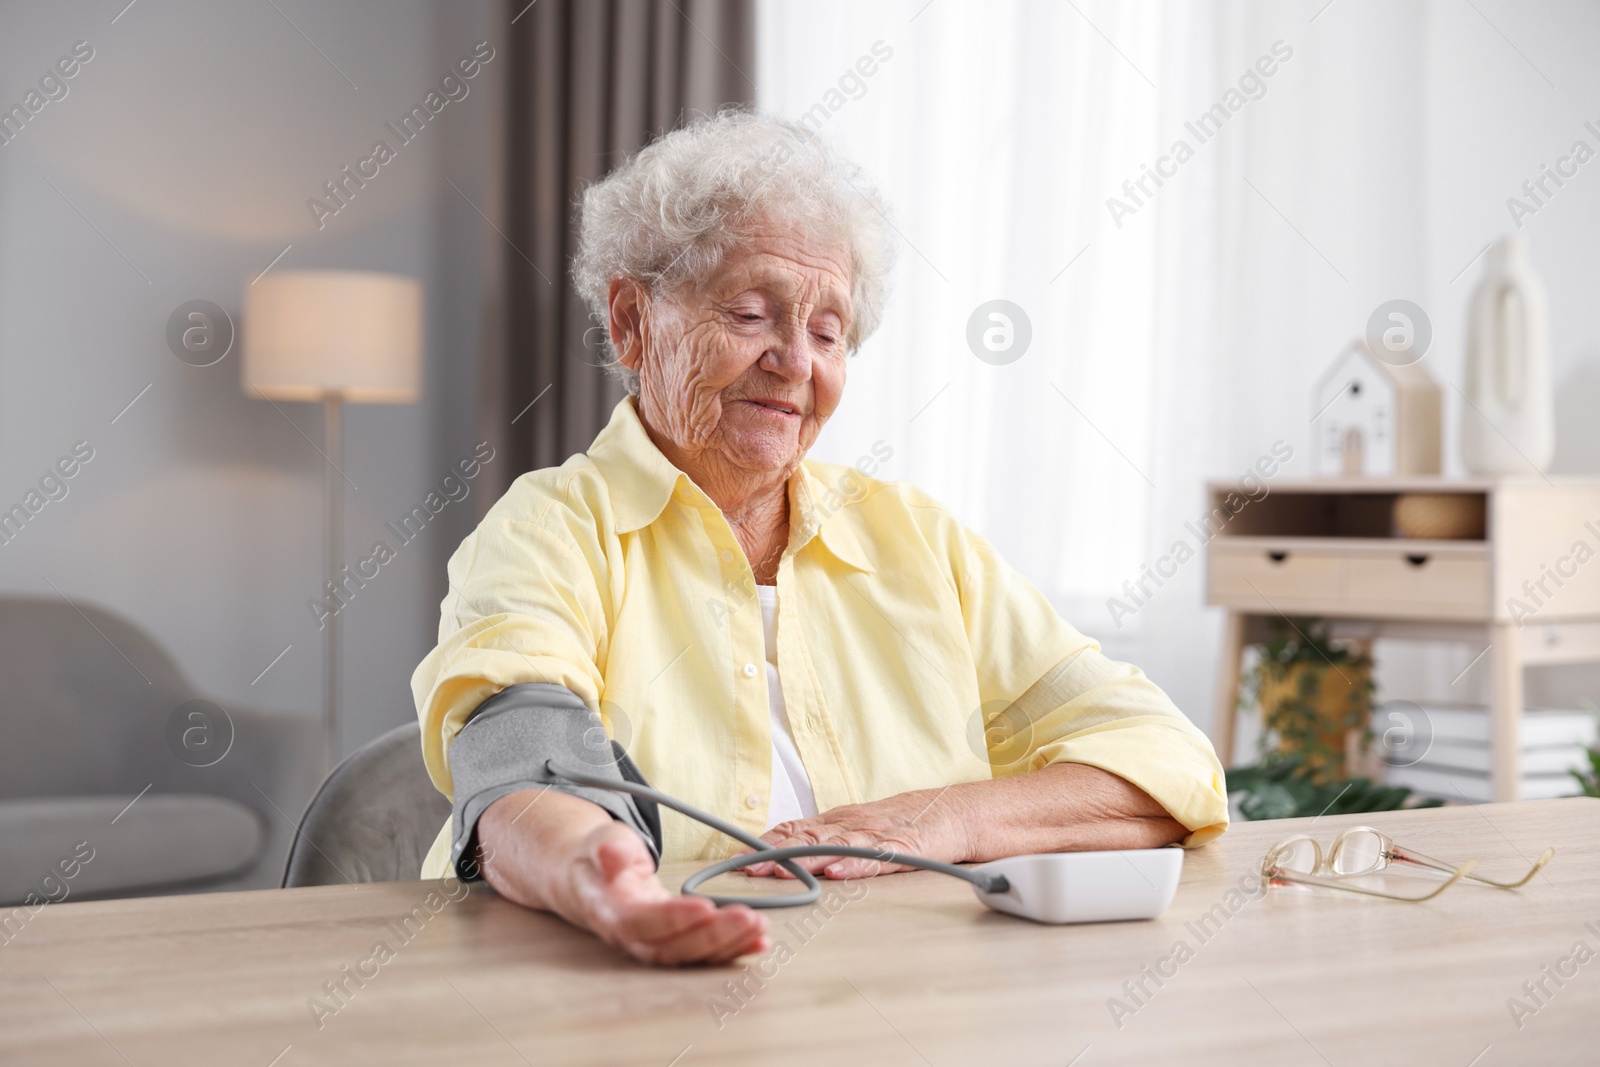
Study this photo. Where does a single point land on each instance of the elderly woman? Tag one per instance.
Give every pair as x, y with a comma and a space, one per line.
809, 653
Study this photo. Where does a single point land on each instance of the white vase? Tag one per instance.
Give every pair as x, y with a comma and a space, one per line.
1508, 426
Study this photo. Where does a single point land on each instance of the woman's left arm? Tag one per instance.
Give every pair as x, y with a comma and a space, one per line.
1084, 752
1065, 807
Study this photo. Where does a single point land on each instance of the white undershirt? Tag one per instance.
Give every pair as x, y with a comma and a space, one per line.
791, 787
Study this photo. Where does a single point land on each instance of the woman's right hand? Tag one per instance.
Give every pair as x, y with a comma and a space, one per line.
560, 853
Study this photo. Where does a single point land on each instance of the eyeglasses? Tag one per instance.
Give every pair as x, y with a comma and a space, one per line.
1361, 850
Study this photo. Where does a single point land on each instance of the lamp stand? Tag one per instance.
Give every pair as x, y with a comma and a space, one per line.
333, 565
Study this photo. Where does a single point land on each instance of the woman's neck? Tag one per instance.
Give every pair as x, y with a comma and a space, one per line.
755, 503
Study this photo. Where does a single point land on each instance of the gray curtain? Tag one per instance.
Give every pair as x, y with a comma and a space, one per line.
591, 81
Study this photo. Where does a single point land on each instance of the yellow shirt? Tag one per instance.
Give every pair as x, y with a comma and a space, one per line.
911, 656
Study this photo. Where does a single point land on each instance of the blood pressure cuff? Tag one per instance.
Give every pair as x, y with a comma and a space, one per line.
503, 747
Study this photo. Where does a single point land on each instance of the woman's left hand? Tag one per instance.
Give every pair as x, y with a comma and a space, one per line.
1064, 807
927, 822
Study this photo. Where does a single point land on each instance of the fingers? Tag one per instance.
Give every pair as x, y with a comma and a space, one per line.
813, 864
683, 930
627, 906
786, 835
652, 921
761, 870
834, 866
858, 867
886, 824
854, 867
729, 933
772, 869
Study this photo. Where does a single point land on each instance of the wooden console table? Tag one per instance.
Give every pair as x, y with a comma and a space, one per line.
1325, 547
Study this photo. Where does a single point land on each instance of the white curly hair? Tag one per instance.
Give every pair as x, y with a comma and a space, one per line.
669, 214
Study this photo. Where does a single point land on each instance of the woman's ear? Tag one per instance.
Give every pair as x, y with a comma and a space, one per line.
625, 302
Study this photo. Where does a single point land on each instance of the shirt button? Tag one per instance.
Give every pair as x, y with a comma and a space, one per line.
749, 670
752, 801
727, 556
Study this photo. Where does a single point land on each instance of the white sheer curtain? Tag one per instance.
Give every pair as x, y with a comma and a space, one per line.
997, 132
1177, 347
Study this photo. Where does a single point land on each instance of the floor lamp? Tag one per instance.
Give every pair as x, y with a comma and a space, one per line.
336, 337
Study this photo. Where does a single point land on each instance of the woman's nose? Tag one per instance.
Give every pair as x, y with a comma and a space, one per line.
790, 355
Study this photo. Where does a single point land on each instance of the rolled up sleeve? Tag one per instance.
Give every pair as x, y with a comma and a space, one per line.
1051, 696
523, 606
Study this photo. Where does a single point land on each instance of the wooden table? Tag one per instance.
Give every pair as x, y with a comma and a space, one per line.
912, 971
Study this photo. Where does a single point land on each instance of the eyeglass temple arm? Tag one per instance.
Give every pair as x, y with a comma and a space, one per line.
1407, 855
1278, 874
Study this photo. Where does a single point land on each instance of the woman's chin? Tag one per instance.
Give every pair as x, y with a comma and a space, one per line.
763, 450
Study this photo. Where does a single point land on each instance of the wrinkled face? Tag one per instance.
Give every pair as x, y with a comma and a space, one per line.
743, 371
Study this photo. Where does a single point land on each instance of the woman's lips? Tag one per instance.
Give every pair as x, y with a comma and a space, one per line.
772, 409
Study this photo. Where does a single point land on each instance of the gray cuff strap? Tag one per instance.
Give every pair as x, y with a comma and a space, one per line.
502, 750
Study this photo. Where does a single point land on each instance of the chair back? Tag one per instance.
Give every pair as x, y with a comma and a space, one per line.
374, 818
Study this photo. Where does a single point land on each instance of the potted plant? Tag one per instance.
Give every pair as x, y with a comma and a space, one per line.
1315, 698
1279, 788
1589, 777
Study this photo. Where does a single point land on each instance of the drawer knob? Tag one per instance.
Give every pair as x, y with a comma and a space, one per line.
1277, 557
1417, 559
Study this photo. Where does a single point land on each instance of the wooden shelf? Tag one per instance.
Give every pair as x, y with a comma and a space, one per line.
1526, 592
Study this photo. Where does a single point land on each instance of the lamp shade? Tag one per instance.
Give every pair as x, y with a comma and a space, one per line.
354, 334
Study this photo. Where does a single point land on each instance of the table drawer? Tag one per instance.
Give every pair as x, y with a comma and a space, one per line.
1418, 579
1289, 574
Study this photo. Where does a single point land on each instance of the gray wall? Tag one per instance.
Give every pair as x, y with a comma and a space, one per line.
177, 167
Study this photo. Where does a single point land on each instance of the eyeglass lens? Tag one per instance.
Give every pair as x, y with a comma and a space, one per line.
1299, 856
1358, 852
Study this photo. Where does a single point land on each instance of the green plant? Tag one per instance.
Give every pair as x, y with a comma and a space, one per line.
1281, 787
1590, 779
1313, 693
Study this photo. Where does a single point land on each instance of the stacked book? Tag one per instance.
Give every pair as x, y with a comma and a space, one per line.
1455, 765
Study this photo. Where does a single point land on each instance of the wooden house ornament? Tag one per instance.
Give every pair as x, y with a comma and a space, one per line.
1374, 418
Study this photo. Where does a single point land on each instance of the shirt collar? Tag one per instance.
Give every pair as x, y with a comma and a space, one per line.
642, 480
815, 507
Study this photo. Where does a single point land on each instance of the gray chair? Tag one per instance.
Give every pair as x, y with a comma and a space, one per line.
92, 709
374, 818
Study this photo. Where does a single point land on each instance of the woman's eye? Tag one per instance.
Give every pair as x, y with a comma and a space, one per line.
747, 316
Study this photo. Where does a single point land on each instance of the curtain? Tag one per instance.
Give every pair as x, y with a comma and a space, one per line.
1170, 345
998, 132
590, 82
